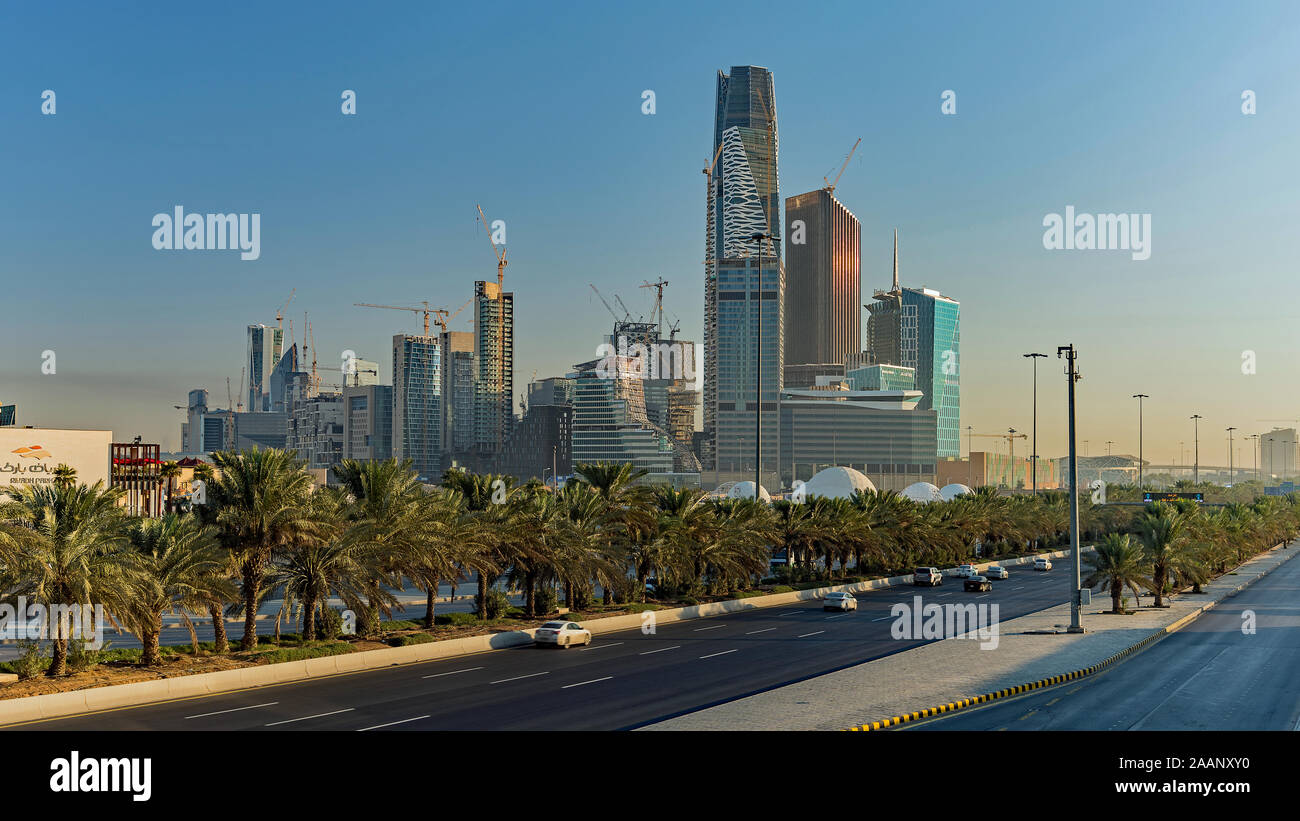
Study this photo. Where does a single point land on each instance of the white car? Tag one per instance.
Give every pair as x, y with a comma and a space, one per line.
839, 601
562, 634
996, 572
1042, 564
967, 571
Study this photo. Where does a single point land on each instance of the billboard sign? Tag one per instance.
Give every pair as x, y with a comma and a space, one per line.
29, 456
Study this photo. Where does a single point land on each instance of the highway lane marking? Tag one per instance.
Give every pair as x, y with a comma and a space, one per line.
723, 653
306, 718
764, 630
985, 596
806, 635
390, 724
1021, 587
840, 616
791, 613
941, 595
232, 710
581, 683
1027, 715
453, 672
516, 678
1053, 701
602, 646
714, 627
882, 618
660, 650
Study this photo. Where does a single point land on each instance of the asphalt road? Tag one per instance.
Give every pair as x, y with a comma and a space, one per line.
1208, 676
623, 680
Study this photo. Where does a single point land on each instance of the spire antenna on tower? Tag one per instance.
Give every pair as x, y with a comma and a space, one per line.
895, 259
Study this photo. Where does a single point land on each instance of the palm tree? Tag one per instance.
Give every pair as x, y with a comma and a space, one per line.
486, 497
628, 507
260, 507
65, 545
1120, 562
1162, 532
65, 476
170, 472
451, 544
179, 567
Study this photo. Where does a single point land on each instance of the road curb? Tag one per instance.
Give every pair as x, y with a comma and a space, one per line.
1052, 681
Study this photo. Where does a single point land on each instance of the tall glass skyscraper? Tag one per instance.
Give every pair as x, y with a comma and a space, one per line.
264, 350
920, 328
417, 403
743, 200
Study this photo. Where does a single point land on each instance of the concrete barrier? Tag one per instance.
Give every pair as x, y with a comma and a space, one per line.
116, 696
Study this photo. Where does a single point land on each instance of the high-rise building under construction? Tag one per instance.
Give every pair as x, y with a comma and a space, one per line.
494, 365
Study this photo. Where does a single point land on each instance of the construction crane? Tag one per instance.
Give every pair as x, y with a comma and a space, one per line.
829, 188
501, 323
604, 301
230, 419
315, 379
442, 317
426, 310
1011, 436
279, 315
356, 373
659, 286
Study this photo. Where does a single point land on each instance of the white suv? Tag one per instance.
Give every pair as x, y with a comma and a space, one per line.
967, 571
1042, 563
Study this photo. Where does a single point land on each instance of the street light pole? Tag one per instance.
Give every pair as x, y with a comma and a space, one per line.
1196, 446
1230, 430
1139, 397
758, 370
1072, 376
1033, 459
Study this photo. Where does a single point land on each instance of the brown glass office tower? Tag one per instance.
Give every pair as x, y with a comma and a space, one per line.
823, 280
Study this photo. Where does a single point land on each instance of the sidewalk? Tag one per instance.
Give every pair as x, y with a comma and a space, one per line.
955, 669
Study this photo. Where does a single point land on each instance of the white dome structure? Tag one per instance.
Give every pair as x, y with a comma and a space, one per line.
923, 492
837, 483
745, 490
950, 492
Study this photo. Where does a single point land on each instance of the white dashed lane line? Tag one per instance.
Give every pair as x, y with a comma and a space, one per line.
764, 630
453, 672
307, 718
602, 646
817, 633
714, 627
660, 650
581, 683
840, 616
233, 710
391, 723
712, 655
517, 678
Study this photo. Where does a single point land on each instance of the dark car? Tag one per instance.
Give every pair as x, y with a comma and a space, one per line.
978, 583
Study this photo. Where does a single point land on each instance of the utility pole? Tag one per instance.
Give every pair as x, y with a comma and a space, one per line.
970, 458
1033, 459
1254, 453
1196, 448
1072, 376
1139, 397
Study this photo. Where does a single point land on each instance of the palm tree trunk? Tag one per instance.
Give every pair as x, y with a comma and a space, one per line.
249, 639
59, 662
431, 596
308, 619
480, 597
530, 585
1159, 579
219, 643
1116, 591
149, 656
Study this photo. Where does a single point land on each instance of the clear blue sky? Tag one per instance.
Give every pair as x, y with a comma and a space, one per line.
534, 110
